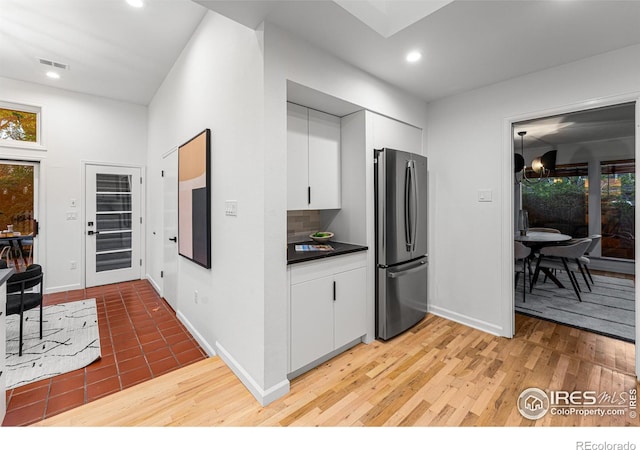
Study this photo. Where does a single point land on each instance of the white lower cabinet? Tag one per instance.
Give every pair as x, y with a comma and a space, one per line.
3, 349
327, 307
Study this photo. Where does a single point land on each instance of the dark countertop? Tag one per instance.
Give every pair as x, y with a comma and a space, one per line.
339, 248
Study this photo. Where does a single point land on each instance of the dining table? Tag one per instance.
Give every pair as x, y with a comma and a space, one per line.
539, 239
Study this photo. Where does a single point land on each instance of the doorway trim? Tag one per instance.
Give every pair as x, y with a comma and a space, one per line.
143, 210
508, 310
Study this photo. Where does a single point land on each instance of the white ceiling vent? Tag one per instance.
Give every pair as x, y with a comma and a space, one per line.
57, 65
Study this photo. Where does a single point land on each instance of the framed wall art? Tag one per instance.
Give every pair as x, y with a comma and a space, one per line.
194, 199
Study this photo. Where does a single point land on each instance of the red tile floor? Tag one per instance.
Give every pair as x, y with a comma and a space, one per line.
140, 339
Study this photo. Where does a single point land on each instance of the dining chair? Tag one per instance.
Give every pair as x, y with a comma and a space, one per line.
5, 251
584, 259
24, 292
563, 257
27, 244
522, 263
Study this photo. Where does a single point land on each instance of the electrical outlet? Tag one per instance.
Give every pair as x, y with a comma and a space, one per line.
73, 265
195, 296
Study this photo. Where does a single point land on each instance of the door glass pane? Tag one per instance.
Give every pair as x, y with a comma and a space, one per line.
116, 221
113, 202
617, 196
113, 221
16, 211
113, 241
113, 261
108, 182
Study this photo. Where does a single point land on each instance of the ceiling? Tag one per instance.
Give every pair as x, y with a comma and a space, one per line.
112, 49
465, 44
612, 122
119, 52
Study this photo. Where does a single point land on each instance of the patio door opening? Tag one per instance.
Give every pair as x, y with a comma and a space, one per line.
18, 213
113, 203
589, 194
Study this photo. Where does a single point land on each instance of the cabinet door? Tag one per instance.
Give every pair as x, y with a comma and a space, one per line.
324, 160
297, 156
311, 321
350, 306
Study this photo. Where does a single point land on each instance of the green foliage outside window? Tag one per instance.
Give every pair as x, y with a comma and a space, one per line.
18, 125
16, 197
560, 203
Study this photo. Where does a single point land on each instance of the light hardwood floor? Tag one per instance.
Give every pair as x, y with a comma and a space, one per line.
440, 373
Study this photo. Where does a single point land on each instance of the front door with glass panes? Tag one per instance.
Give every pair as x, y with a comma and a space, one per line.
113, 224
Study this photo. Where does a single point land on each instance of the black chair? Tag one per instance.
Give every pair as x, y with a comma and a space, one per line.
22, 297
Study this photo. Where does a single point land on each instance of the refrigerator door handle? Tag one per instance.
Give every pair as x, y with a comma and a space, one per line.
407, 272
407, 218
416, 205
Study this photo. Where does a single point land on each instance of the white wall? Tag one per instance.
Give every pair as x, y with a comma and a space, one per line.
469, 146
75, 128
216, 83
290, 58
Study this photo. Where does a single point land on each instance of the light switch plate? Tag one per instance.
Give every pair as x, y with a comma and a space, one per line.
485, 195
72, 215
231, 208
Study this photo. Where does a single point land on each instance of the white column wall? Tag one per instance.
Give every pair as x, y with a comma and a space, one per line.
216, 83
467, 136
75, 128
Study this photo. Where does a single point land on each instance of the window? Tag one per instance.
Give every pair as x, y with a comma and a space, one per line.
560, 201
617, 203
19, 124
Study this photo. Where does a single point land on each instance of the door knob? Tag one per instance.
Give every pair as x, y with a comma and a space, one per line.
174, 239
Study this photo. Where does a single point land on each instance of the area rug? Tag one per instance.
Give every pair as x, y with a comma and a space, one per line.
70, 341
608, 310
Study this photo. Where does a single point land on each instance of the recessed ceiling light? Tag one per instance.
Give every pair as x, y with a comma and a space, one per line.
135, 3
414, 56
53, 75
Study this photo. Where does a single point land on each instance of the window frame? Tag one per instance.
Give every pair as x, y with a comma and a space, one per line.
10, 143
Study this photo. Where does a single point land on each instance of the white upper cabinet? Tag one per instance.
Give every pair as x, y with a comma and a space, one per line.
297, 156
313, 159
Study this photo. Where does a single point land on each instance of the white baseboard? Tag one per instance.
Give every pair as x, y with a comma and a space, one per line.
155, 285
466, 320
263, 396
196, 335
68, 287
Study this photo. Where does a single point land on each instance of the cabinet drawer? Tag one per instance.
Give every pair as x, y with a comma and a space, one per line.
301, 272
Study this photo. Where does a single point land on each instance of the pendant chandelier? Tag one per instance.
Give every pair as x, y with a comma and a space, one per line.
542, 165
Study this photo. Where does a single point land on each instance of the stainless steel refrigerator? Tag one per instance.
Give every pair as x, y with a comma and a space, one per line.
401, 240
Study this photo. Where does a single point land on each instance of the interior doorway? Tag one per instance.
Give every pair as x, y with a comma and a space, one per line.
170, 228
588, 193
19, 187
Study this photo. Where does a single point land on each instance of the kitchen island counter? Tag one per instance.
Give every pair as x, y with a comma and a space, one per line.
339, 248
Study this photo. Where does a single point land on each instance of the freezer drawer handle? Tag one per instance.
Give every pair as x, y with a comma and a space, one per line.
334, 291
406, 272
